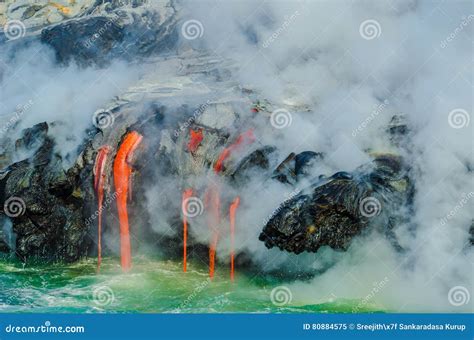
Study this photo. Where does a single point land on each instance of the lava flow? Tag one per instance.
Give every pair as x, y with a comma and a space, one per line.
100, 177
245, 138
186, 195
122, 172
213, 195
232, 212
195, 139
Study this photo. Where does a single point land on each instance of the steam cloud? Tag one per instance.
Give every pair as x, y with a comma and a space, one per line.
314, 53
312, 57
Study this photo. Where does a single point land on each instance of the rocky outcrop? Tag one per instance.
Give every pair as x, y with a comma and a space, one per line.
44, 201
333, 210
94, 32
51, 203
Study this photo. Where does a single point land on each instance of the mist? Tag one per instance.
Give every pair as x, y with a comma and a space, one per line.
35, 89
415, 60
340, 71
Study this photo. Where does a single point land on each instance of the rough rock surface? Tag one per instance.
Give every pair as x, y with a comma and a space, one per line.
94, 32
49, 224
334, 210
57, 221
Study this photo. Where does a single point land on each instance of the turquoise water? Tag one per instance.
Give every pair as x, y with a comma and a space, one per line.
153, 286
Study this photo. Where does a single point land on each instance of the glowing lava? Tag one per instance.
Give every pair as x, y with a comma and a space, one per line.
195, 140
122, 172
245, 138
100, 177
232, 213
186, 195
213, 195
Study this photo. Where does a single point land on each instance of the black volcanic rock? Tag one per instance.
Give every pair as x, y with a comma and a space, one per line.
333, 210
81, 40
125, 33
48, 221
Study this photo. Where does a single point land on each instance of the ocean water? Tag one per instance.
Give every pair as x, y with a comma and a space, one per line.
152, 286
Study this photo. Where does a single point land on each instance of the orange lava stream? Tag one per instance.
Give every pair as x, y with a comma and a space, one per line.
100, 177
122, 172
245, 138
213, 195
195, 140
186, 195
232, 213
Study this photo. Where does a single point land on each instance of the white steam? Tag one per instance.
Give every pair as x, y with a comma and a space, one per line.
35, 89
417, 62
341, 84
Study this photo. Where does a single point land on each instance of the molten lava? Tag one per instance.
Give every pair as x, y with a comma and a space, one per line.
213, 197
232, 213
195, 139
244, 139
100, 177
186, 195
122, 174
